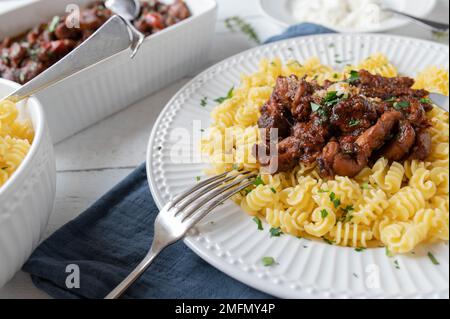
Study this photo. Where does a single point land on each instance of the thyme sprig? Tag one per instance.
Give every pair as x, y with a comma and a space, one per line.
236, 23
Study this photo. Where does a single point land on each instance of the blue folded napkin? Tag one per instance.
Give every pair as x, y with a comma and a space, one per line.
111, 237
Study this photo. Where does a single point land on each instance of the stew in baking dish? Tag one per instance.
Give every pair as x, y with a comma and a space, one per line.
29, 54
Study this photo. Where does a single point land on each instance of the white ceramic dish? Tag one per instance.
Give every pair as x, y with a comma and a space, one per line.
27, 198
118, 82
234, 245
280, 12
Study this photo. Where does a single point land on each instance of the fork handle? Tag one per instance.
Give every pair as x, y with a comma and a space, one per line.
113, 37
135, 275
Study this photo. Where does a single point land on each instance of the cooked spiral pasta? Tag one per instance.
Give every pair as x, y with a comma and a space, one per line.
15, 140
388, 178
396, 204
349, 234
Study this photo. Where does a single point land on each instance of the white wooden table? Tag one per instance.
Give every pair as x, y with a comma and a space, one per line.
93, 161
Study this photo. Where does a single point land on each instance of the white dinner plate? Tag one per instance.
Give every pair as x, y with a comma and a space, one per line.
228, 238
280, 11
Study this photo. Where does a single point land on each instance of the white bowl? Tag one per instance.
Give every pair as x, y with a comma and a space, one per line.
281, 13
115, 83
27, 198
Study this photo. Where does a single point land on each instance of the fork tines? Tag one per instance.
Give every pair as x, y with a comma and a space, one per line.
210, 193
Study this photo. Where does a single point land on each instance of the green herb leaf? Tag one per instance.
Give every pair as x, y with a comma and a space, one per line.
389, 253
258, 181
275, 232
354, 76
336, 201
365, 186
324, 213
198, 178
353, 123
273, 190
315, 107
335, 76
204, 101
433, 259
360, 249
401, 105
235, 167
397, 265
391, 99
53, 24
258, 222
328, 241
426, 101
295, 63
220, 100
348, 209
268, 261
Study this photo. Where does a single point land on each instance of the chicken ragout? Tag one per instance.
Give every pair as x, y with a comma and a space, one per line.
344, 126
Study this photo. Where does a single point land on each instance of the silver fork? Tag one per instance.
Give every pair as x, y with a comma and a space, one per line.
183, 213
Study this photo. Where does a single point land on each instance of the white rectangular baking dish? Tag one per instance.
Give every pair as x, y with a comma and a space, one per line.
113, 84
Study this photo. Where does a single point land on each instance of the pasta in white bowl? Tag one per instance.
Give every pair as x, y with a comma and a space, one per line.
27, 180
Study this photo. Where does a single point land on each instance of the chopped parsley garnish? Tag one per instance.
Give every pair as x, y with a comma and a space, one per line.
204, 101
354, 76
336, 201
389, 253
198, 178
220, 100
324, 213
391, 99
258, 181
247, 191
365, 186
397, 265
315, 107
331, 98
268, 261
53, 24
235, 167
353, 123
273, 190
433, 259
348, 209
426, 101
295, 63
275, 232
335, 76
360, 249
328, 241
238, 24
258, 222
401, 105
